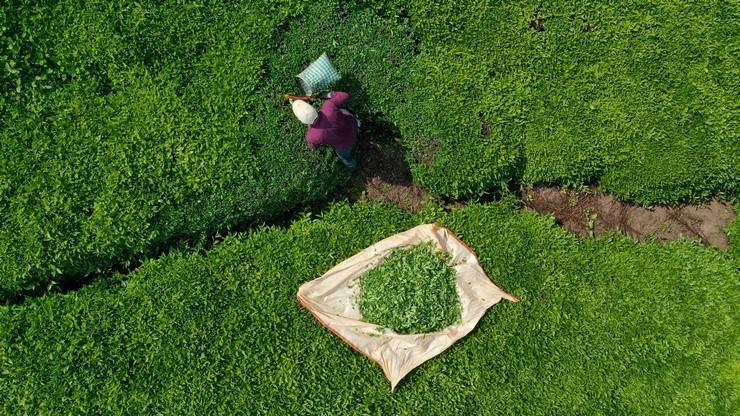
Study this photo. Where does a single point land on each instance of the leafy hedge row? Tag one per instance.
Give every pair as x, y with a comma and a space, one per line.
733, 232
641, 97
606, 326
153, 121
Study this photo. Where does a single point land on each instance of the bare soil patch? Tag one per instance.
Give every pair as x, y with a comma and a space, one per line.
383, 175
594, 213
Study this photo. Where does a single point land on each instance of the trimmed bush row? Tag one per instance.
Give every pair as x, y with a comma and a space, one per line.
641, 98
606, 326
159, 122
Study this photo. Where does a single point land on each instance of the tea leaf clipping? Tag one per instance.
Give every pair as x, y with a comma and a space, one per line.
411, 291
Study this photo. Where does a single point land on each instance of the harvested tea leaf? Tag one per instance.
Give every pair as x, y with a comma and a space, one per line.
411, 291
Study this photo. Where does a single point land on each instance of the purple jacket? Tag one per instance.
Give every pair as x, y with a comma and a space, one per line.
332, 127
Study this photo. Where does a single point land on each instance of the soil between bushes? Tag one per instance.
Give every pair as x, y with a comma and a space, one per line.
383, 175
594, 213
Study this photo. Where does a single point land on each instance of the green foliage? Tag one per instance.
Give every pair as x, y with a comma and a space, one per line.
640, 98
606, 326
733, 232
373, 55
385, 8
165, 122
27, 65
146, 139
457, 141
411, 291
126, 125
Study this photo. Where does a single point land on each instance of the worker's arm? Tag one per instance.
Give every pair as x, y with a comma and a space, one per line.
338, 98
314, 138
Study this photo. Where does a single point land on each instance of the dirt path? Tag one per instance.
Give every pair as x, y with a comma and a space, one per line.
382, 174
594, 213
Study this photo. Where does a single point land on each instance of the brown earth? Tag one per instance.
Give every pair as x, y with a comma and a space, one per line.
594, 213
383, 175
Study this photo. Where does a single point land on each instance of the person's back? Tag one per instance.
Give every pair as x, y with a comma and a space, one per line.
332, 126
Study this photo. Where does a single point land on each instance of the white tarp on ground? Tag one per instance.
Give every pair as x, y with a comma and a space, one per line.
331, 299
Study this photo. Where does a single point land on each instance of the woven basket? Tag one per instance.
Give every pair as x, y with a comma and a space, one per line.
318, 75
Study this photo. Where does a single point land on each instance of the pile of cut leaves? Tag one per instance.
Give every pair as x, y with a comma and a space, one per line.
411, 291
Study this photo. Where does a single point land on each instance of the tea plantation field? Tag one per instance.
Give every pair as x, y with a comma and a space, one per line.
602, 326
129, 127
135, 135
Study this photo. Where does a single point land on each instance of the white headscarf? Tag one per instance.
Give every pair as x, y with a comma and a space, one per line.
304, 112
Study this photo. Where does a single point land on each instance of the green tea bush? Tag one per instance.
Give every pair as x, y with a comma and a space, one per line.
166, 123
454, 145
638, 97
373, 55
605, 326
733, 232
413, 290
103, 168
28, 65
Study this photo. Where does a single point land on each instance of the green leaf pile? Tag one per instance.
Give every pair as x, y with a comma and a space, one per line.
411, 291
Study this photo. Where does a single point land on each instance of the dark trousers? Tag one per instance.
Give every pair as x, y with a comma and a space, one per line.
347, 157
